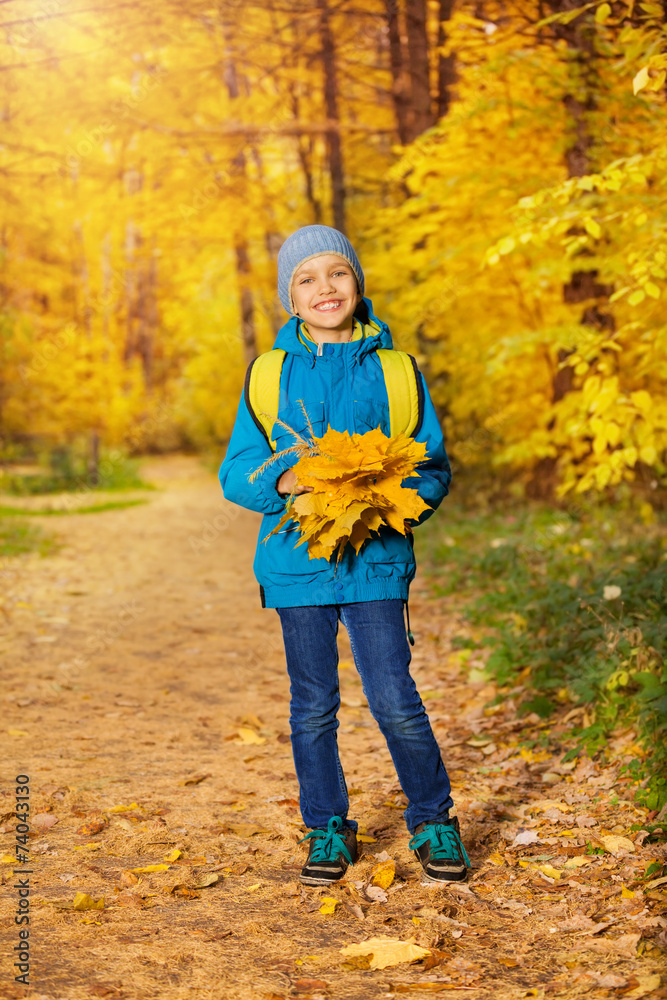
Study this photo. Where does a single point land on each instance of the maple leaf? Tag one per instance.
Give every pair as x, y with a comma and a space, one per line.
355, 482
386, 951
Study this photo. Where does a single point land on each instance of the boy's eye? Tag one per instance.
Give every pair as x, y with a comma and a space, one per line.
302, 281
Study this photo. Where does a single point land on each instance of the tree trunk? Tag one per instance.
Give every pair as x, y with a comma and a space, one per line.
247, 303
272, 242
334, 147
243, 270
422, 116
579, 103
398, 82
446, 64
305, 148
93, 457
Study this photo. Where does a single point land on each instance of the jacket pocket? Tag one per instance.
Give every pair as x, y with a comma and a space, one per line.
368, 413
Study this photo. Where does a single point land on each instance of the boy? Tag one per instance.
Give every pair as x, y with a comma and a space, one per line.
331, 363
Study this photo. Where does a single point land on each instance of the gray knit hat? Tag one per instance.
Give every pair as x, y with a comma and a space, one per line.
306, 243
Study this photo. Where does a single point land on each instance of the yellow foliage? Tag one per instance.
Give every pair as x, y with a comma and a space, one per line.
133, 311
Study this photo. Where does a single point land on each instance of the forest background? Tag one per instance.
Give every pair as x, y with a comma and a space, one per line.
500, 168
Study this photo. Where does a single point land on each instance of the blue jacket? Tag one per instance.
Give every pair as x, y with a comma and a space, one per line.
344, 388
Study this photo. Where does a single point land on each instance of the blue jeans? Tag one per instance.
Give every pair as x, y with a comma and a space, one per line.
382, 655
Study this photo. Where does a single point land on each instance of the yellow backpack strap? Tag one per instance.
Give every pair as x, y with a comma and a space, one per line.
404, 392
262, 390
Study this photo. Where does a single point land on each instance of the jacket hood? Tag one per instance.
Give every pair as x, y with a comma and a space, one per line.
376, 335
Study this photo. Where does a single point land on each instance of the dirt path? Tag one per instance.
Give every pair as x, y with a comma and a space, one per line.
145, 695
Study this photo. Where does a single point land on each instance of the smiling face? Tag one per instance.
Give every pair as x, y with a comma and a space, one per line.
325, 294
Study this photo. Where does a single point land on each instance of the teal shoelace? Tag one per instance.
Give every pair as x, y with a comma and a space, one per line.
445, 843
332, 843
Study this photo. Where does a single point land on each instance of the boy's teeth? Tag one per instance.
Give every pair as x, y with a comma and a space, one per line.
329, 305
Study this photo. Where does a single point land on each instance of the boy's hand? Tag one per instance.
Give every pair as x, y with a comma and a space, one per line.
288, 481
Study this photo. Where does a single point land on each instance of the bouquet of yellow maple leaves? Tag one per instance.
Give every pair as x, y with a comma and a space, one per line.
356, 487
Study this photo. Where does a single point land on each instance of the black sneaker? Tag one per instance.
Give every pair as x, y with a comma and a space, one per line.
439, 848
330, 853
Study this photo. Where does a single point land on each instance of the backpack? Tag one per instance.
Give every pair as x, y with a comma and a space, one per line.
401, 377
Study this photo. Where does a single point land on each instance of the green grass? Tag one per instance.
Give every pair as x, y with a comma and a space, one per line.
65, 471
535, 578
17, 538
92, 509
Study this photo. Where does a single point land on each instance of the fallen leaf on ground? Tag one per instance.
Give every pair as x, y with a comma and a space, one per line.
355, 910
82, 901
383, 874
94, 845
249, 736
44, 821
426, 987
329, 905
479, 741
206, 880
129, 899
550, 871
308, 985
18, 732
654, 883
123, 809
127, 878
363, 838
647, 984
580, 922
436, 957
147, 869
173, 855
577, 862
609, 980
524, 838
244, 830
545, 804
181, 889
514, 905
615, 844
252, 720
376, 894
625, 945
237, 869
195, 779
92, 827
386, 951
